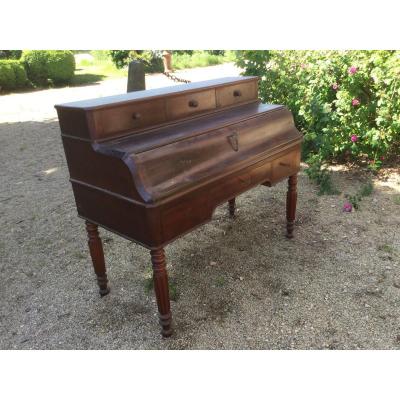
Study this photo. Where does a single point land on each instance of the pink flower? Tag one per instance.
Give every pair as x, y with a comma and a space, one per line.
382, 158
355, 102
354, 138
304, 66
347, 207
335, 86
352, 70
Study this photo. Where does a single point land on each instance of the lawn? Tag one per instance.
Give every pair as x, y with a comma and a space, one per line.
201, 59
96, 65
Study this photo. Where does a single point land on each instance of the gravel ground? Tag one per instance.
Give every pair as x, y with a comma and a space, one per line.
240, 283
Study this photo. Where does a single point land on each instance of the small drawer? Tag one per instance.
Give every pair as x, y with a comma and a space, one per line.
261, 173
229, 187
188, 104
285, 166
234, 94
111, 121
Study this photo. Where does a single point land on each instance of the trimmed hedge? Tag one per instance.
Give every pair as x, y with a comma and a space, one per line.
35, 64
43, 65
61, 66
12, 74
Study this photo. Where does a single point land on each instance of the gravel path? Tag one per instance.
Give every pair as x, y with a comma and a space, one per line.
240, 283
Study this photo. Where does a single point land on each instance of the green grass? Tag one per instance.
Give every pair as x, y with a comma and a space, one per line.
173, 289
101, 67
366, 189
385, 248
200, 59
220, 281
96, 70
321, 177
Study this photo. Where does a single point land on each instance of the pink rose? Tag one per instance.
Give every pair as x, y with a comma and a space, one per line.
335, 86
354, 138
347, 207
355, 102
352, 70
304, 66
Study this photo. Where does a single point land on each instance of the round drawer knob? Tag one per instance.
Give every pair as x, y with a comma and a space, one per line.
136, 115
237, 93
193, 103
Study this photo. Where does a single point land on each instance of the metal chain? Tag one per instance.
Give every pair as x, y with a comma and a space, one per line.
175, 78
168, 74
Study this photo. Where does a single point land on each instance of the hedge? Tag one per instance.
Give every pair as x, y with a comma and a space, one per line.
61, 66
58, 66
347, 103
12, 74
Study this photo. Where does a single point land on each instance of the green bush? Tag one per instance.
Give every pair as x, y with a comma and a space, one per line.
10, 54
346, 103
61, 66
12, 74
36, 66
44, 65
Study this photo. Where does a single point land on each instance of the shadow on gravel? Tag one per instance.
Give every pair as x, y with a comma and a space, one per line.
77, 80
241, 283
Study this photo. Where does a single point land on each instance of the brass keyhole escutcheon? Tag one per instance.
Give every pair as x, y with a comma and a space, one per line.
193, 103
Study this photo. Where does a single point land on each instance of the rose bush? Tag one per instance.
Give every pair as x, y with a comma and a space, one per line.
347, 103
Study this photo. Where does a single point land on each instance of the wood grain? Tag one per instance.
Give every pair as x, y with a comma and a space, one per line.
291, 201
160, 279
96, 252
151, 166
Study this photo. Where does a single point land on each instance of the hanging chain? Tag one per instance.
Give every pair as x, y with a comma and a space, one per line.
168, 74
175, 78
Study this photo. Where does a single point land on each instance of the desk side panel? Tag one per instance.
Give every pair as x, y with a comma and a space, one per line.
86, 165
119, 215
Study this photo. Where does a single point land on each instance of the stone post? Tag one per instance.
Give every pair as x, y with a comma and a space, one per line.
136, 76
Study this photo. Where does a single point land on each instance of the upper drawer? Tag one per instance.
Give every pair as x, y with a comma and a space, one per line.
110, 121
191, 103
233, 94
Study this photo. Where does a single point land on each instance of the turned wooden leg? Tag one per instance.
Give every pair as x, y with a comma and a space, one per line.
291, 200
160, 278
96, 252
231, 204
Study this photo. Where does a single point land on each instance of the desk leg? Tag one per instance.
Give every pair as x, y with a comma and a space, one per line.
160, 279
96, 252
291, 200
232, 207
